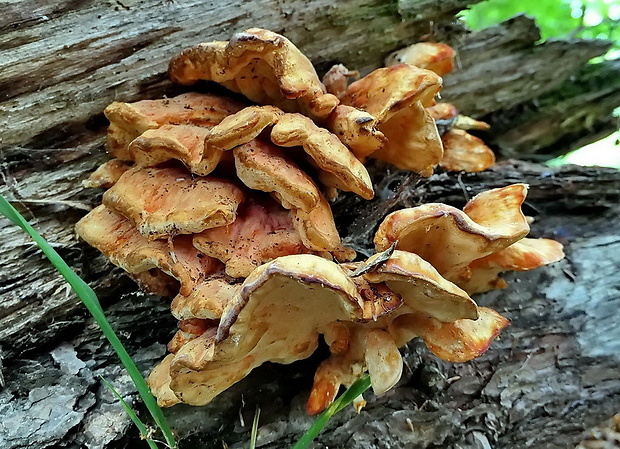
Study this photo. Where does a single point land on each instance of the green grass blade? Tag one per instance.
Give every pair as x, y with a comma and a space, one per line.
358, 387
254, 433
90, 300
132, 415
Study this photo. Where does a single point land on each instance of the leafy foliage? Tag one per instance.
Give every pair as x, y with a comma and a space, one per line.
587, 19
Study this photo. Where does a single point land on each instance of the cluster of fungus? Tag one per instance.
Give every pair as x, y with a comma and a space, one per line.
225, 207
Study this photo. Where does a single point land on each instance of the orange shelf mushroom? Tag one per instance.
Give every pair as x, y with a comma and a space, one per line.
264, 66
223, 207
471, 247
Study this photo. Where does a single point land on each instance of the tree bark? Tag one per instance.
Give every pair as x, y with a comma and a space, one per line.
552, 375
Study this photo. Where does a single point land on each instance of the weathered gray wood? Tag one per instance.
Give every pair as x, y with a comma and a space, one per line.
54, 85
71, 59
577, 112
63, 62
513, 68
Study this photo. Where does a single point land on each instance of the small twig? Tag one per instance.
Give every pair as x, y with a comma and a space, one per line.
381, 258
463, 188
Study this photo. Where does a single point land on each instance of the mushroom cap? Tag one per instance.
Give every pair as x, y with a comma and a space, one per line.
443, 111
462, 151
262, 166
326, 150
354, 350
527, 254
262, 232
447, 112
130, 120
107, 174
336, 79
436, 57
373, 346
124, 246
317, 228
243, 126
357, 129
397, 97
459, 341
185, 143
164, 202
385, 91
383, 360
305, 286
207, 300
451, 239
159, 383
277, 316
422, 288
264, 66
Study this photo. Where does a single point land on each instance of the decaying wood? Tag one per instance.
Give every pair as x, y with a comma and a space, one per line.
551, 375
577, 112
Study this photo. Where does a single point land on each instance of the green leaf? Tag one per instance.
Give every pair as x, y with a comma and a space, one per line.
90, 300
358, 387
132, 415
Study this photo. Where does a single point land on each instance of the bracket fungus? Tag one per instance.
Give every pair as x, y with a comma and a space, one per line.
128, 121
397, 97
224, 208
163, 202
433, 56
466, 246
461, 150
264, 66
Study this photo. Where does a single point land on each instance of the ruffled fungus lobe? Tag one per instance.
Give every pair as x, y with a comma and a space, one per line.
107, 174
436, 57
283, 306
327, 152
207, 300
164, 202
339, 167
130, 120
276, 317
527, 254
451, 239
123, 245
422, 288
472, 247
242, 127
317, 228
462, 151
265, 167
357, 129
336, 80
444, 112
426, 298
397, 97
354, 350
264, 66
185, 143
458, 341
